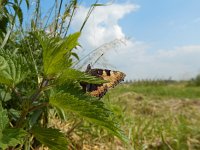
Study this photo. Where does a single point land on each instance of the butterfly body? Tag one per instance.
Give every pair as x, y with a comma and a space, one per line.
99, 90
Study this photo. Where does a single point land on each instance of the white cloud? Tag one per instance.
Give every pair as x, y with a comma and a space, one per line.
179, 63
136, 59
102, 25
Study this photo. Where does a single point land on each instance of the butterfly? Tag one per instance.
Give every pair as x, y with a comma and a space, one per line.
99, 90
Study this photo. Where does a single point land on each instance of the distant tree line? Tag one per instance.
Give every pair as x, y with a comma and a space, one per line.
191, 82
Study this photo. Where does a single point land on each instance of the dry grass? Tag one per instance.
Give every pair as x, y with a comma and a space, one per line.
156, 121
151, 122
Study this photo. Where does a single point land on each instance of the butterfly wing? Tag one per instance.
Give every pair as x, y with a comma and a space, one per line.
99, 90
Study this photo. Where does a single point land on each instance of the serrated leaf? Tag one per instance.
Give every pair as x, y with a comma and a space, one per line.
93, 111
56, 52
3, 119
3, 63
50, 137
15, 114
13, 68
4, 77
9, 136
12, 137
5, 96
76, 75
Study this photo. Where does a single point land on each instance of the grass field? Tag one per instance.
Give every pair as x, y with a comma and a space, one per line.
154, 116
157, 116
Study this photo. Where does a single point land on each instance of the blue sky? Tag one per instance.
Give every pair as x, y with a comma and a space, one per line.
165, 36
164, 23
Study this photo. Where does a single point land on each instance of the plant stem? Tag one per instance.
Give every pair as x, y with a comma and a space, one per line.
16, 92
33, 98
73, 11
11, 29
36, 95
57, 18
38, 106
76, 124
49, 16
31, 56
21, 119
88, 15
37, 11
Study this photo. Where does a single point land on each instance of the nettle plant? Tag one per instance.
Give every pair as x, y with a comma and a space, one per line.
36, 78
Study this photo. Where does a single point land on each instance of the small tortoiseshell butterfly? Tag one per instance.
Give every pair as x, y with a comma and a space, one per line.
99, 90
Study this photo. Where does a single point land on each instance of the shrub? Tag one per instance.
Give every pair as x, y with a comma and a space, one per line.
36, 78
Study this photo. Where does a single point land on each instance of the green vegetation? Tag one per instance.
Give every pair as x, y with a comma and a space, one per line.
158, 116
195, 81
173, 90
43, 106
38, 83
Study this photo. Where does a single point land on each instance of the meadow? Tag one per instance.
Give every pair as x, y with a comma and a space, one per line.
157, 115
44, 106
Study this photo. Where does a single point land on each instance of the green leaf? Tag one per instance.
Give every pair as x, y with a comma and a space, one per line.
4, 96
56, 52
13, 68
4, 78
16, 2
9, 136
92, 110
95, 5
27, 4
75, 55
3, 119
4, 22
35, 117
12, 137
50, 137
14, 114
76, 75
19, 13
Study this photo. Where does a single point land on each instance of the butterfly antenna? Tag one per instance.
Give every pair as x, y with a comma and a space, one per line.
98, 59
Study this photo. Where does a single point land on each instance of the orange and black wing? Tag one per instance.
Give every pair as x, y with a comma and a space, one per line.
99, 90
